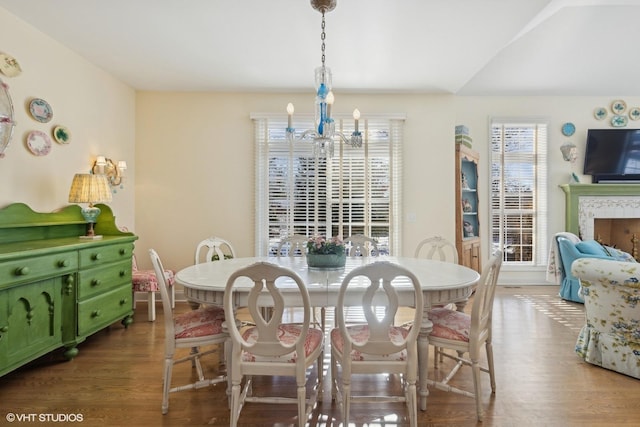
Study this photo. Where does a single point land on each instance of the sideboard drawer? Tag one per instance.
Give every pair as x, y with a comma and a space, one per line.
101, 279
34, 268
104, 309
100, 255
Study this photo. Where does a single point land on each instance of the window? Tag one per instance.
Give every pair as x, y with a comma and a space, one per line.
518, 190
357, 191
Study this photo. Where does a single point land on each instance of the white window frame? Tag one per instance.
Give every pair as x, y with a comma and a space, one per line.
344, 186
505, 212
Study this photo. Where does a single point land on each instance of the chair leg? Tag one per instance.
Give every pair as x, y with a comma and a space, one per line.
477, 386
168, 367
235, 405
172, 296
302, 406
492, 376
151, 306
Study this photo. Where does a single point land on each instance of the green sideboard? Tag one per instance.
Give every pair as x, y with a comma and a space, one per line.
55, 288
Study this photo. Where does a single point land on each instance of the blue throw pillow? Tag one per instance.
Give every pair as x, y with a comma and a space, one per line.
591, 247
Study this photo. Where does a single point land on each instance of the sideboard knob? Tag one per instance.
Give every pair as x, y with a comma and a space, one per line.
96, 257
63, 263
22, 271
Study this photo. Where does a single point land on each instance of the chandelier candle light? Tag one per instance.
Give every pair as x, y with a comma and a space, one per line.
324, 133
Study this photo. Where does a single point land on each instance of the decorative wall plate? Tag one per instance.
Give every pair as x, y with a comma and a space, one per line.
38, 143
618, 106
600, 113
568, 129
618, 121
9, 66
634, 113
61, 135
40, 110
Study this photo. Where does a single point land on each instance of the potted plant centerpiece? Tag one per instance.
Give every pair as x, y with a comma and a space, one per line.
323, 253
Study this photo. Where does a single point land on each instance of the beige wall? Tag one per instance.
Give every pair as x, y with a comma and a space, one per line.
195, 172
98, 110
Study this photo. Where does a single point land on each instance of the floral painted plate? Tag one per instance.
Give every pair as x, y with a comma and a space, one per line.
38, 143
618, 106
618, 121
634, 113
40, 110
61, 135
600, 113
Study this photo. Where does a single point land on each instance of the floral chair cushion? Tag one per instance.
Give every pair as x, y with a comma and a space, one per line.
611, 336
288, 334
360, 333
199, 323
146, 281
450, 324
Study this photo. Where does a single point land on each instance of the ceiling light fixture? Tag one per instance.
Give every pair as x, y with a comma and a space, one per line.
324, 133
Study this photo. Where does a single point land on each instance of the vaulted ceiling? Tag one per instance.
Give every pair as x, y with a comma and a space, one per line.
465, 47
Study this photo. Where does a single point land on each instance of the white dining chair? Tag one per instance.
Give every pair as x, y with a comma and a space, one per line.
194, 329
293, 245
376, 346
213, 249
360, 245
272, 347
466, 334
437, 247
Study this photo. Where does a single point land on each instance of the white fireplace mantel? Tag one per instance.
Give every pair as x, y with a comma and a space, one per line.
586, 202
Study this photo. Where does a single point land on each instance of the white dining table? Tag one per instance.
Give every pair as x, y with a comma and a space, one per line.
442, 283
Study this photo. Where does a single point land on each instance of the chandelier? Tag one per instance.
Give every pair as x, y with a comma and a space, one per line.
324, 133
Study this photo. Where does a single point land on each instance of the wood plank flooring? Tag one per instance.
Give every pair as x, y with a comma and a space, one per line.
116, 380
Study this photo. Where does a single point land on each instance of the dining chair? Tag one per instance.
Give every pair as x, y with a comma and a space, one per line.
293, 245
437, 247
193, 329
376, 346
146, 281
213, 249
465, 334
360, 245
272, 347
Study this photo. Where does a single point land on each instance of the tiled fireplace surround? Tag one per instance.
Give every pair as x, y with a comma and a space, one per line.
590, 208
587, 202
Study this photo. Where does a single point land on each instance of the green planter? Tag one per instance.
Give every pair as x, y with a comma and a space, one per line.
326, 260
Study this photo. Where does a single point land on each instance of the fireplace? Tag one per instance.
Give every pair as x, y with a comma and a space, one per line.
615, 207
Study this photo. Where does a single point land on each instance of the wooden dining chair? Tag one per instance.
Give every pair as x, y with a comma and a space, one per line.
360, 245
466, 334
213, 249
272, 347
147, 282
437, 247
293, 245
376, 346
194, 329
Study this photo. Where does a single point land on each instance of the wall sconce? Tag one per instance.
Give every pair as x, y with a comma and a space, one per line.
114, 172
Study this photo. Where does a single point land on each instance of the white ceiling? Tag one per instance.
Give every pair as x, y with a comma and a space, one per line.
465, 47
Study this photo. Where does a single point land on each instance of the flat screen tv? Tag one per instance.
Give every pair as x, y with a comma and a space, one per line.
613, 155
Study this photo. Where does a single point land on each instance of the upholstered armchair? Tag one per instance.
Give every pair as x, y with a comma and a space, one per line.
611, 337
571, 248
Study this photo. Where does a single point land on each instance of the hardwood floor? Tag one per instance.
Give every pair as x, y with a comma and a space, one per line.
116, 380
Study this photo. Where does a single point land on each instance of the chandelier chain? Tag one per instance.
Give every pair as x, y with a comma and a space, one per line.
322, 37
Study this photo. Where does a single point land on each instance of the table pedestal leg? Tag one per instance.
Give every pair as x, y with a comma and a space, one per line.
423, 359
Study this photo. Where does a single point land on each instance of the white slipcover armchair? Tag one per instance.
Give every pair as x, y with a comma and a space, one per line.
611, 291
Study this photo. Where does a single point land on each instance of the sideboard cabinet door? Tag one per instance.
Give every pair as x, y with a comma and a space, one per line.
30, 322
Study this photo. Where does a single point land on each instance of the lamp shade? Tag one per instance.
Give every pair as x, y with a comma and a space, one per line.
89, 188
